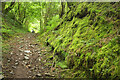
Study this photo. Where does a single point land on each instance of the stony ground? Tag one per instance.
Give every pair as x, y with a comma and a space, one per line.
27, 58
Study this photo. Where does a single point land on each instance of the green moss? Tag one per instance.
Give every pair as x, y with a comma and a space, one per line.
88, 35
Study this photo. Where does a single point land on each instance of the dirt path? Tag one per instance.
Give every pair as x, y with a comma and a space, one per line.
27, 59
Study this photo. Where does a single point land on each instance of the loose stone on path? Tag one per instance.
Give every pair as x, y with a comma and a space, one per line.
27, 51
25, 57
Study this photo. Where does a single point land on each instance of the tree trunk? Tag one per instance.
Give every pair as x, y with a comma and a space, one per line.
19, 9
40, 16
24, 13
3, 7
63, 9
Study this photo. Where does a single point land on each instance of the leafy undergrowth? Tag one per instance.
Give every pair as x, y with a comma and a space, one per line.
10, 27
87, 41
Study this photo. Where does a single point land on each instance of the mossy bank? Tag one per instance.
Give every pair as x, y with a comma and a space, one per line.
87, 40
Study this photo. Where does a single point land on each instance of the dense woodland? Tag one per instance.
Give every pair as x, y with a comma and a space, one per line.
83, 38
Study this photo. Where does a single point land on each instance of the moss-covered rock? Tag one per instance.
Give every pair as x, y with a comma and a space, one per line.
90, 35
